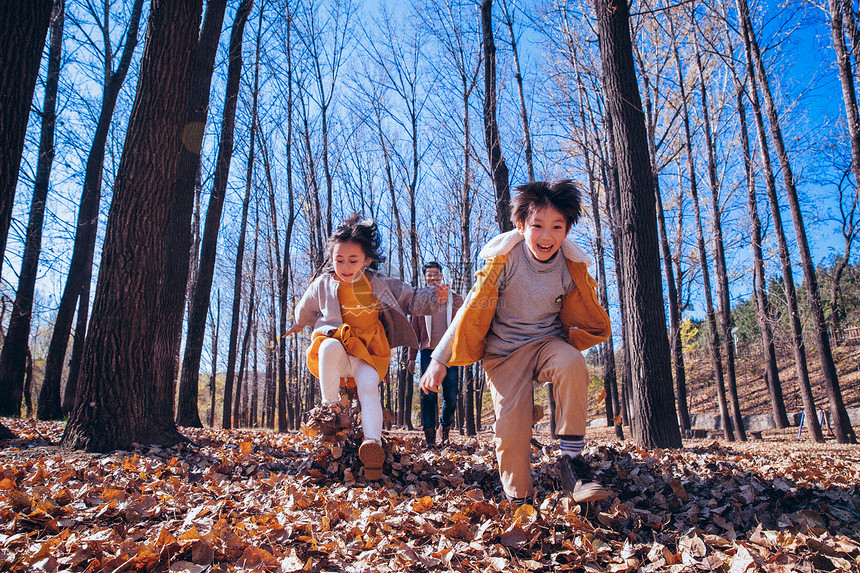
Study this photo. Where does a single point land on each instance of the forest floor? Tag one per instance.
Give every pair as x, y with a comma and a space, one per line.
256, 500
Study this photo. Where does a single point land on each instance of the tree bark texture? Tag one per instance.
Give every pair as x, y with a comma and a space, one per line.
117, 405
13, 357
199, 310
654, 419
172, 296
492, 139
23, 29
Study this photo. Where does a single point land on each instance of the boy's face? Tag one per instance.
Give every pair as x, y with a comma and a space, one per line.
544, 232
349, 260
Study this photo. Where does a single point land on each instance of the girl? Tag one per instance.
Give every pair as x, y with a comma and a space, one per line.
358, 315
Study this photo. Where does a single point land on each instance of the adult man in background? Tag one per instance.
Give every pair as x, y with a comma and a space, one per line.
429, 330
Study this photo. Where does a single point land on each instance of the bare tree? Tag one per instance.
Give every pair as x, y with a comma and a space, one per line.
77, 288
117, 398
839, 415
208, 246
492, 139
22, 36
13, 357
654, 418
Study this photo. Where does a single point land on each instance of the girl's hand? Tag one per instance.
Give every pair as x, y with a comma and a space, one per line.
433, 376
293, 329
442, 294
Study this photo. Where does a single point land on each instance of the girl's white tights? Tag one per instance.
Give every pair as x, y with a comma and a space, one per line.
335, 363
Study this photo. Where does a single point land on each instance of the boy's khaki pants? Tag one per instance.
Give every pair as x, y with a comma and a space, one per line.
511, 379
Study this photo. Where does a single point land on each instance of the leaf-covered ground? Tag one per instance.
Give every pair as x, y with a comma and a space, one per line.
261, 501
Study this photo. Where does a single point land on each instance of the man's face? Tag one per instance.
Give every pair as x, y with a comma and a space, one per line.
433, 276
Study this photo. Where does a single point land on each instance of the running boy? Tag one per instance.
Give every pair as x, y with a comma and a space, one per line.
532, 311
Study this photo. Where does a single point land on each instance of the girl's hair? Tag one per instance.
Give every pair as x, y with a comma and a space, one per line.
363, 232
564, 196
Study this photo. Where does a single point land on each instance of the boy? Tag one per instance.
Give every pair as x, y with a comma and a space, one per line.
429, 330
532, 311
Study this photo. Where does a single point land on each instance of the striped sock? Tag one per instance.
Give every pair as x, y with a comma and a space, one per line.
518, 501
571, 445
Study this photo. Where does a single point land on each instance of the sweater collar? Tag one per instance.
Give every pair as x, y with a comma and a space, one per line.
502, 245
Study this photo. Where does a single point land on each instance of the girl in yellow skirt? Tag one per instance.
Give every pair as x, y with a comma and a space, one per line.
358, 316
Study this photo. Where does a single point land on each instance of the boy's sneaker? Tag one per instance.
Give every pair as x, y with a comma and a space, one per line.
430, 437
372, 456
578, 481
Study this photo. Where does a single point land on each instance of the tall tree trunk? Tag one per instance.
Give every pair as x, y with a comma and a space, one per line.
215, 321
654, 419
232, 347
252, 301
13, 357
719, 255
674, 304
763, 310
71, 390
77, 288
284, 281
518, 75
852, 116
838, 414
492, 139
173, 294
117, 404
190, 375
714, 340
22, 37
798, 345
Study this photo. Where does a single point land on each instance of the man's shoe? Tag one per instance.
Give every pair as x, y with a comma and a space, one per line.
372, 456
446, 432
578, 481
430, 436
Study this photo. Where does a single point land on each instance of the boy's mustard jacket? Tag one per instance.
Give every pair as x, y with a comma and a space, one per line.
586, 322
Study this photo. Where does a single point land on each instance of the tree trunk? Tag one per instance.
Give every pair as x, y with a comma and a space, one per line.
250, 325
674, 304
654, 419
215, 321
838, 414
71, 391
13, 357
117, 405
798, 345
852, 115
763, 311
492, 139
22, 36
77, 287
173, 294
524, 116
190, 375
720, 256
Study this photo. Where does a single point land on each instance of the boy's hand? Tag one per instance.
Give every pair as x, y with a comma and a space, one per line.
410, 366
433, 376
442, 294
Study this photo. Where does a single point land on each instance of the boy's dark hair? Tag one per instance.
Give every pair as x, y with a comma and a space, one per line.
363, 232
431, 265
564, 196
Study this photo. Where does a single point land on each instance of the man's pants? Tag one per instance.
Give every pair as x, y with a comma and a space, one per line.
450, 390
511, 379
